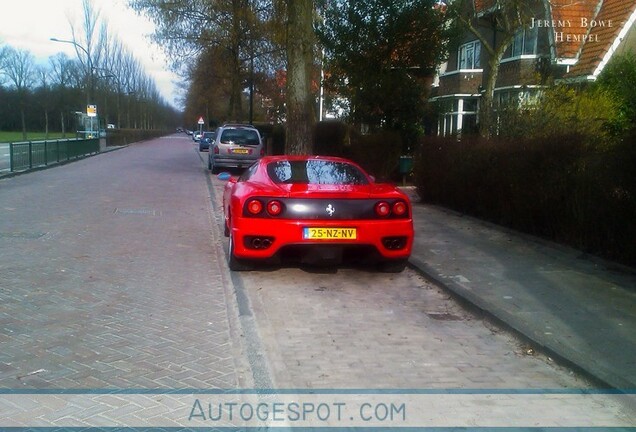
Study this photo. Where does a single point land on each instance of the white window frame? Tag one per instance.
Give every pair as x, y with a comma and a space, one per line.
452, 122
522, 38
473, 47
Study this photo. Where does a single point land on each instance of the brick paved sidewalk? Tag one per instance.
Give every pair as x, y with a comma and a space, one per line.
578, 309
111, 276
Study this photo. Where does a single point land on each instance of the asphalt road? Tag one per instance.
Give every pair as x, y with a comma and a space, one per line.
114, 276
4, 157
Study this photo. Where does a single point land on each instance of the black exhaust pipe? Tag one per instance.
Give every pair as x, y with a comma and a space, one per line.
394, 243
252, 242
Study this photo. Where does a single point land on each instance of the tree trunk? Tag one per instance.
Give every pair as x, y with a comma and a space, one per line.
23, 118
118, 124
46, 124
488, 117
300, 58
235, 110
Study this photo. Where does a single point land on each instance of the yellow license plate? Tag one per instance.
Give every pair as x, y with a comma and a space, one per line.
330, 233
241, 151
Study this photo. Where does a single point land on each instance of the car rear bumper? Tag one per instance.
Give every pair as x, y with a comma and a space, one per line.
232, 162
269, 238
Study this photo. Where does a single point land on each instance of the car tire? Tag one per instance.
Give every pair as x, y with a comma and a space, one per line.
234, 263
394, 266
200, 148
211, 167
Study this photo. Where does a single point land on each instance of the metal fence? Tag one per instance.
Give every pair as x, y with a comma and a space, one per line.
33, 154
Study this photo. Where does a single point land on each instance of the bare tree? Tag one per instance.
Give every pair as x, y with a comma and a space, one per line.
114, 65
187, 29
19, 68
62, 70
89, 42
43, 76
3, 55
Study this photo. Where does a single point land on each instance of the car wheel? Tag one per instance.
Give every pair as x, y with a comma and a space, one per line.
226, 229
394, 266
233, 262
211, 167
200, 148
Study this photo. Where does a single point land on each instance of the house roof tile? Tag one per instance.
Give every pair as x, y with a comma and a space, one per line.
567, 16
603, 36
574, 40
483, 5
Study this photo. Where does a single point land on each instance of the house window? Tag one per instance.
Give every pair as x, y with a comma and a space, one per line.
458, 116
524, 43
469, 55
518, 98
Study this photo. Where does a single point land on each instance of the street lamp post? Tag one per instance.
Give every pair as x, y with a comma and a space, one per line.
108, 74
89, 61
89, 64
251, 88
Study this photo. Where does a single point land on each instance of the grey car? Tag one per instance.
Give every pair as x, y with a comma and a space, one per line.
235, 146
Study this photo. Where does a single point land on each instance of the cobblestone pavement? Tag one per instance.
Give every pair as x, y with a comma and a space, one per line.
355, 328
110, 278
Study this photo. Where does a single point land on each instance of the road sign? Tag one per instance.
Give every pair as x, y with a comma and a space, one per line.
91, 110
201, 120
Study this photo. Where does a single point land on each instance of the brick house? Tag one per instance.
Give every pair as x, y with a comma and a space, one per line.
565, 41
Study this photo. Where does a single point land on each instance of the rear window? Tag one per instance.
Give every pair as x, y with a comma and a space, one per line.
316, 172
240, 137
209, 134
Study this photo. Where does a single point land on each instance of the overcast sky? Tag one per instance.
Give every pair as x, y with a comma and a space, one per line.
29, 24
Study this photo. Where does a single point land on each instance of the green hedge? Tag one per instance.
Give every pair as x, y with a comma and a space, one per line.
558, 188
119, 137
377, 153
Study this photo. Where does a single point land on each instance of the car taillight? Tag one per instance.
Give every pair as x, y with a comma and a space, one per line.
274, 208
216, 150
382, 209
262, 152
254, 206
399, 208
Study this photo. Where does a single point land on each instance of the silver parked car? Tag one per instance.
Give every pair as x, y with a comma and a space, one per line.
235, 146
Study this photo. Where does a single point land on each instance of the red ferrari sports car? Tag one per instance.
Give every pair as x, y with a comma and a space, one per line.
315, 209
